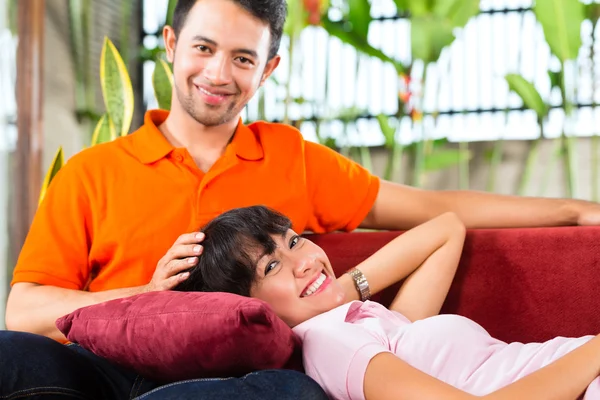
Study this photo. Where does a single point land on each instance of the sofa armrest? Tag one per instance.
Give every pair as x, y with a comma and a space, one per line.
526, 284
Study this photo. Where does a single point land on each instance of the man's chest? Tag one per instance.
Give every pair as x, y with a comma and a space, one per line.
139, 220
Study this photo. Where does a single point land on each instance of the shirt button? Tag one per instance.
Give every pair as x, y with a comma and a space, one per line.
179, 157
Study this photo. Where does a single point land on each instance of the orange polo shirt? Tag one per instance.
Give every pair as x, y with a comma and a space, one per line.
115, 209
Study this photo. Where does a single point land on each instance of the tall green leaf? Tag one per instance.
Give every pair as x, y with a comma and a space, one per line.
57, 162
359, 16
116, 88
104, 132
11, 10
592, 12
389, 132
402, 5
170, 12
433, 23
429, 36
162, 82
126, 11
561, 21
528, 93
444, 158
296, 19
417, 7
347, 36
458, 12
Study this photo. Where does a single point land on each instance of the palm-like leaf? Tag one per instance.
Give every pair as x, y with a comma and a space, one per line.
57, 162
162, 82
116, 88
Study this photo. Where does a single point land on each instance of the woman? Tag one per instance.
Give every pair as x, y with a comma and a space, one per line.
358, 349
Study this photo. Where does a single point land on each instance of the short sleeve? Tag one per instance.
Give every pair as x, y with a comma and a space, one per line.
337, 355
342, 192
56, 249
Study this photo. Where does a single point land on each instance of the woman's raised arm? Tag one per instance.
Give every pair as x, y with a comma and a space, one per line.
427, 254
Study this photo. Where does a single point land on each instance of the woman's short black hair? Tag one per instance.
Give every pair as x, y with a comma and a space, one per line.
233, 242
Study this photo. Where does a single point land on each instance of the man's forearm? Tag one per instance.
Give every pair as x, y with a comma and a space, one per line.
403, 207
488, 210
35, 308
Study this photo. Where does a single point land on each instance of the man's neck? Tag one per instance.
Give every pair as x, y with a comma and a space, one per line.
204, 143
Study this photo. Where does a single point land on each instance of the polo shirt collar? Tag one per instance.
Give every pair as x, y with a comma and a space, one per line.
246, 144
151, 145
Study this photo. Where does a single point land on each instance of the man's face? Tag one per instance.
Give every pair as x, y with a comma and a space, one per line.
220, 59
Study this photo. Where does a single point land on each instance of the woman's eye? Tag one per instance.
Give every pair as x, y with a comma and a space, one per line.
294, 241
270, 266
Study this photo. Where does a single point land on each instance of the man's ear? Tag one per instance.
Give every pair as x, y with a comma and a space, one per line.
269, 68
170, 42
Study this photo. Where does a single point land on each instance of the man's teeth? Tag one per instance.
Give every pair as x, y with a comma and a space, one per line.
316, 285
206, 92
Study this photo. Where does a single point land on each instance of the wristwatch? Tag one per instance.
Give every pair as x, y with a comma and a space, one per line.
361, 284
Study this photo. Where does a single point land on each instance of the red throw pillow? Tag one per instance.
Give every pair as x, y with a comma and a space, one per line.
171, 336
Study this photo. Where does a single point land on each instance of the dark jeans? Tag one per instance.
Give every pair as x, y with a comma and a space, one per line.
35, 367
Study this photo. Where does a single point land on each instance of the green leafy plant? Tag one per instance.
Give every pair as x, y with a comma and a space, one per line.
592, 12
533, 100
433, 26
117, 92
56, 164
561, 23
162, 82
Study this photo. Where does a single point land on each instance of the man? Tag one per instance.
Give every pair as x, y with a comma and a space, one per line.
117, 208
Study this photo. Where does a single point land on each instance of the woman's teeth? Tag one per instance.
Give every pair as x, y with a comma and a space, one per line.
316, 285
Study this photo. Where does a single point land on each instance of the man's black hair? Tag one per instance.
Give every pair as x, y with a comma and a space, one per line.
271, 12
234, 241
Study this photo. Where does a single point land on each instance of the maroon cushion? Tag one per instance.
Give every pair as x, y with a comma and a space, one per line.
171, 336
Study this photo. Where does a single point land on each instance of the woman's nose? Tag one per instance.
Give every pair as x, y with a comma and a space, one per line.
304, 264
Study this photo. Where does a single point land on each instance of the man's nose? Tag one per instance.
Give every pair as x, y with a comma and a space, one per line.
217, 70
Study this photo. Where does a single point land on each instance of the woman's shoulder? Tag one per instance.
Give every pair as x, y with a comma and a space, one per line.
325, 320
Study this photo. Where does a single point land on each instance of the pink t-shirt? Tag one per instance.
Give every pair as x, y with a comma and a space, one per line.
339, 344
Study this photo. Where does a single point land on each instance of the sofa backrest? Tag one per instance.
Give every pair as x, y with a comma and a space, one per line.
527, 284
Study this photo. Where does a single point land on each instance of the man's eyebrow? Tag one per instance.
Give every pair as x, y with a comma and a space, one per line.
200, 38
249, 52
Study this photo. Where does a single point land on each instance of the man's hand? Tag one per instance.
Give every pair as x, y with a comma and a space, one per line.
180, 257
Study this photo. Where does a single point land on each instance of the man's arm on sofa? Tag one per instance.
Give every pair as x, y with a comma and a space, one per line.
403, 207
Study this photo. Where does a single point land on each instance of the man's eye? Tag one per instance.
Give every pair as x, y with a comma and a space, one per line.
270, 266
202, 48
244, 60
294, 241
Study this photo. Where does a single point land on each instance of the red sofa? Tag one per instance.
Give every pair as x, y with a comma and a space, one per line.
528, 284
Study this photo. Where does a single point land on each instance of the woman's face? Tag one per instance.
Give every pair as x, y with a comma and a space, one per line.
297, 280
